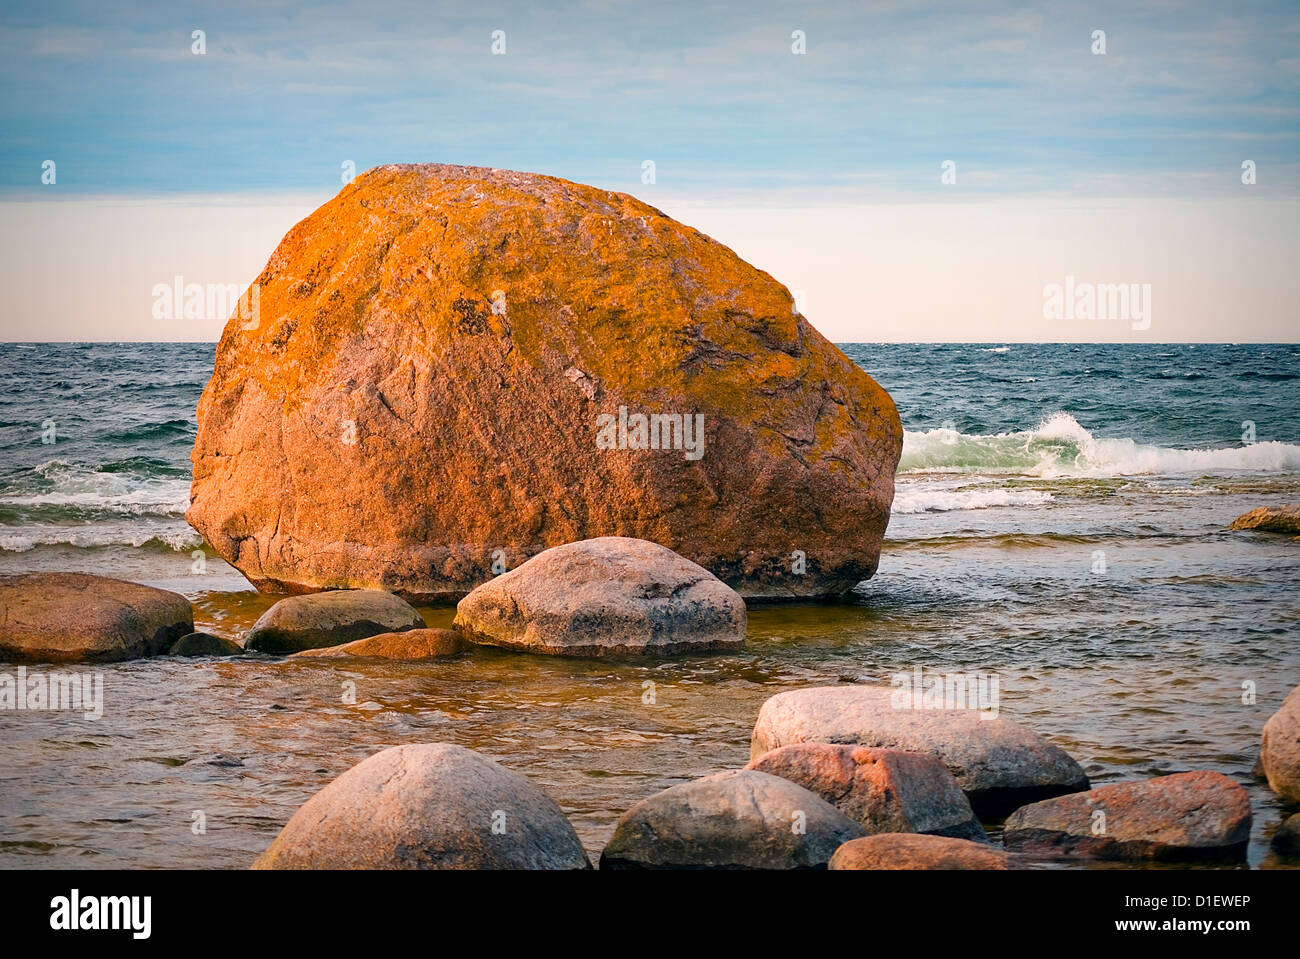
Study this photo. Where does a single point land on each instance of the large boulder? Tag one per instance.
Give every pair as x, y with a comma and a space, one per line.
606, 596
427, 806
330, 619
1279, 754
883, 790
1194, 815
77, 617
412, 644
914, 851
452, 368
999, 764
740, 819
1270, 519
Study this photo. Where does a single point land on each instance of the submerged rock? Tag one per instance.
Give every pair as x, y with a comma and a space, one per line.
77, 617
914, 851
412, 644
1270, 519
330, 619
883, 790
999, 764
604, 597
1279, 754
1192, 815
205, 644
1286, 840
427, 806
740, 819
453, 368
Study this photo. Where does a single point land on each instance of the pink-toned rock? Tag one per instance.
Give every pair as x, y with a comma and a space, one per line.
999, 764
1279, 755
1193, 815
914, 851
883, 790
412, 644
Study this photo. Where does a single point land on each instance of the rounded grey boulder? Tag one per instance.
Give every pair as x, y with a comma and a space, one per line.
733, 820
999, 764
77, 617
611, 596
427, 806
330, 619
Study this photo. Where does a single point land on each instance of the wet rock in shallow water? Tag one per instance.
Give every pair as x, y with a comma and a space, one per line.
427, 806
77, 617
1257, 770
611, 596
412, 644
883, 790
1196, 815
914, 851
1287, 838
1279, 754
205, 644
435, 350
740, 819
999, 764
1270, 519
330, 619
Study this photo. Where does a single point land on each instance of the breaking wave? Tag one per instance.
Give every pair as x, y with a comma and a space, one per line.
1061, 447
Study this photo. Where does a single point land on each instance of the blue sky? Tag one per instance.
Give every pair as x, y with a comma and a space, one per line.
823, 168
710, 91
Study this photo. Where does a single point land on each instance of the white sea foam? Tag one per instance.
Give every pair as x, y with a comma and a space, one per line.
22, 539
82, 488
920, 499
1061, 447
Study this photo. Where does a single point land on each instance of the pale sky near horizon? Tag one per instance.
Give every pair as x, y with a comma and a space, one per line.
1218, 271
823, 168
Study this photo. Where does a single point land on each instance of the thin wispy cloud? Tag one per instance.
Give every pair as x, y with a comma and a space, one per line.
885, 93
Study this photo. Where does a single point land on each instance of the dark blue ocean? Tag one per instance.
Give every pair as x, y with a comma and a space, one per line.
1060, 519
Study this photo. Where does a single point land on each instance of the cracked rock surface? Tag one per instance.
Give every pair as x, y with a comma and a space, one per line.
415, 398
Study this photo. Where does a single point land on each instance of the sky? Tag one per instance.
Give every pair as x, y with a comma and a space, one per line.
920, 172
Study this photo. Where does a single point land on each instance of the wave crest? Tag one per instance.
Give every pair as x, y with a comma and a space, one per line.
1060, 446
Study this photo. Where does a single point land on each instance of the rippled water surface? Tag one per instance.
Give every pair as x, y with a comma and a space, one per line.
1060, 521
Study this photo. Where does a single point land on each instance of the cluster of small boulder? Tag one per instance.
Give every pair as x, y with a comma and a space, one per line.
610, 596
838, 777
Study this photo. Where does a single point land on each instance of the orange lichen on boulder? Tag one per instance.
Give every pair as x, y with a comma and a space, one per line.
418, 397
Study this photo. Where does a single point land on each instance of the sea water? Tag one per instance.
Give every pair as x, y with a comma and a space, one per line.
1059, 524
